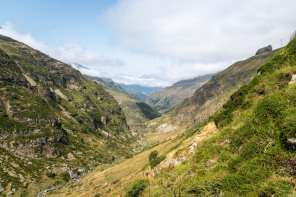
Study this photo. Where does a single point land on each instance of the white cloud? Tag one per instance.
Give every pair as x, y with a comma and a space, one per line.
208, 34
69, 52
178, 39
151, 81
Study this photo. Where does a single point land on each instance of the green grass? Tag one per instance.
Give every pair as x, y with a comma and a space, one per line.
38, 123
249, 150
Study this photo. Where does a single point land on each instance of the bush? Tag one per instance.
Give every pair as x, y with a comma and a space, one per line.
65, 176
154, 160
157, 161
50, 175
153, 155
137, 189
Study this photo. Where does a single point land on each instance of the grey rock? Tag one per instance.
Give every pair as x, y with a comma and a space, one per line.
210, 162
193, 146
104, 120
74, 173
264, 50
293, 80
291, 143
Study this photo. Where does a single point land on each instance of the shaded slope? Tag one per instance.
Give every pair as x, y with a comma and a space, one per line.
149, 111
134, 113
139, 92
168, 98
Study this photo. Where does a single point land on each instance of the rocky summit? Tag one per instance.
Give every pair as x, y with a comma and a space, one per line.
264, 50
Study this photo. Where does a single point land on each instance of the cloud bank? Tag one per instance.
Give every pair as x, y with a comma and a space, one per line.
200, 36
69, 52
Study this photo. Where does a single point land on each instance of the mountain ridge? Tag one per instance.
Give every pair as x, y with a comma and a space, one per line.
53, 121
170, 97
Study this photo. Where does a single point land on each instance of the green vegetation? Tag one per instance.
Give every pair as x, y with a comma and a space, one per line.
149, 111
52, 116
213, 94
154, 159
136, 189
248, 156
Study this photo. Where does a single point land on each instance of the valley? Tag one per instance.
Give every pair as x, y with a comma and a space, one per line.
231, 153
67, 133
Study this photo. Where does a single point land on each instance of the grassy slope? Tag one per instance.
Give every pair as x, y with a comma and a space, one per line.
135, 117
212, 95
246, 156
249, 150
49, 110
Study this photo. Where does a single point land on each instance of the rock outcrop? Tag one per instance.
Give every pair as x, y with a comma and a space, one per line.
264, 50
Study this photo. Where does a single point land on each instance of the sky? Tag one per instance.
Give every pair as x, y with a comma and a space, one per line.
149, 42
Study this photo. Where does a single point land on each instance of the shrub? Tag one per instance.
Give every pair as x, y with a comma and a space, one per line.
154, 160
157, 161
50, 174
137, 189
153, 155
65, 176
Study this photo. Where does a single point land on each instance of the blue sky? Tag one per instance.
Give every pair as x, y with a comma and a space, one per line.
150, 42
57, 21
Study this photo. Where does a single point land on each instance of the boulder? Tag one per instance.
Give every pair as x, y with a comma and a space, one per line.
210, 163
104, 120
193, 146
264, 50
293, 80
74, 173
291, 144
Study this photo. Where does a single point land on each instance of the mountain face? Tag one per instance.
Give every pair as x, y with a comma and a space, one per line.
53, 121
136, 113
139, 92
213, 94
168, 98
246, 148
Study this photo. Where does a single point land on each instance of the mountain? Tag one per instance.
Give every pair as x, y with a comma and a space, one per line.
246, 148
168, 98
138, 91
213, 94
55, 124
136, 113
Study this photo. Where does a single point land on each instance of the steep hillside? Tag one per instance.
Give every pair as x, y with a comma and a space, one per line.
247, 148
149, 111
53, 121
134, 112
212, 95
168, 98
139, 92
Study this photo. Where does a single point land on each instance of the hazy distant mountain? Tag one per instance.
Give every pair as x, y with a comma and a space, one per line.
138, 91
143, 81
168, 98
